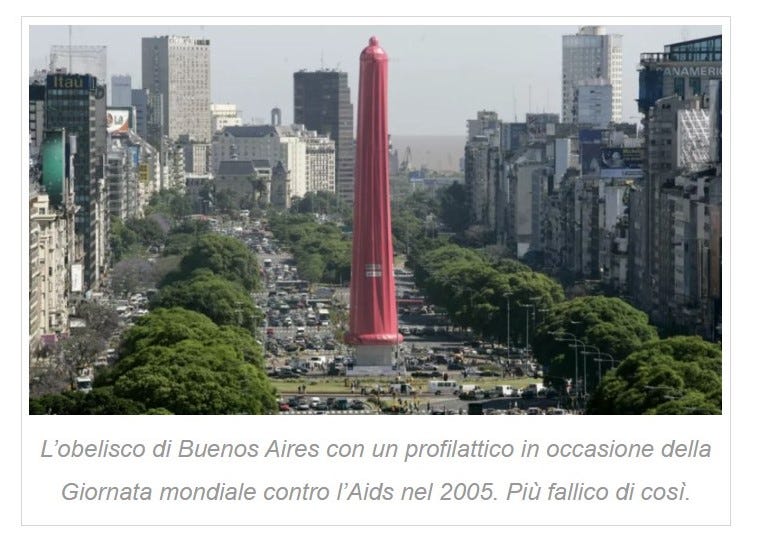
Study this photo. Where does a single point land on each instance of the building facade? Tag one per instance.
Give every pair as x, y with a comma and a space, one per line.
322, 102
122, 91
223, 115
178, 68
591, 54
149, 116
74, 103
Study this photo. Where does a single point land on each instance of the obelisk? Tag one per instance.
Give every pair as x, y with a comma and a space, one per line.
373, 317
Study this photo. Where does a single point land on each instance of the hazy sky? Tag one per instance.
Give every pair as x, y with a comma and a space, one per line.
439, 76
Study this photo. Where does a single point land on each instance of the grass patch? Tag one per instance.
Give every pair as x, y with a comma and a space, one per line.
336, 385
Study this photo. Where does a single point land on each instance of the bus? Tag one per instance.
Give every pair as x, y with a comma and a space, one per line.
442, 387
323, 316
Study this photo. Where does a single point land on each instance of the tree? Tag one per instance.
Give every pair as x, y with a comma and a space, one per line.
321, 250
222, 255
178, 361
608, 323
173, 203
99, 401
224, 302
133, 274
453, 200
674, 376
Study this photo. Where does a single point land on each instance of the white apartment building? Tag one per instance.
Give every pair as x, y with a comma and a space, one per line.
304, 154
178, 67
591, 54
51, 242
223, 115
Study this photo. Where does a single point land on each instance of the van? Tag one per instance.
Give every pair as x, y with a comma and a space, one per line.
84, 384
506, 390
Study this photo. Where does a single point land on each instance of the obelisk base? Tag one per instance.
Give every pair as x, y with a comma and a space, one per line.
375, 360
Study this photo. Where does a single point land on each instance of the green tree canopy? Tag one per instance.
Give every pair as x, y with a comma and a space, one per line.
180, 361
476, 292
99, 401
223, 256
608, 323
321, 251
173, 203
453, 201
224, 302
678, 375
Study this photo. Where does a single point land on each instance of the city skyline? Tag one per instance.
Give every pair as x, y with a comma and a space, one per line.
481, 74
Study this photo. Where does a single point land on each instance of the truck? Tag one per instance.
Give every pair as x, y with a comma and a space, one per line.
323, 316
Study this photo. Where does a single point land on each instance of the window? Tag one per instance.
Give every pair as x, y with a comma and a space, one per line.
679, 88
694, 83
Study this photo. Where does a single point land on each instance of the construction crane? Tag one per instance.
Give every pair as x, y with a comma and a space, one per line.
407, 159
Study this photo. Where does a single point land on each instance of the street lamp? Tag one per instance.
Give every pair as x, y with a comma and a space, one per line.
526, 354
599, 360
586, 353
507, 298
569, 337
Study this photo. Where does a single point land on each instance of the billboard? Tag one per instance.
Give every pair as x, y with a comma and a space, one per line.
53, 154
62, 81
621, 162
135, 152
117, 121
76, 280
589, 150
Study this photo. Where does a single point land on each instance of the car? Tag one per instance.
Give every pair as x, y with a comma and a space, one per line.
284, 406
357, 405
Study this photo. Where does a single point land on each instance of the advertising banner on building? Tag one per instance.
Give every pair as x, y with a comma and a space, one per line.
76, 278
135, 152
54, 164
118, 121
143, 172
621, 162
589, 150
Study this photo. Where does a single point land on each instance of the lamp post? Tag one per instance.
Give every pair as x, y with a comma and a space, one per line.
586, 353
526, 352
569, 337
507, 299
599, 360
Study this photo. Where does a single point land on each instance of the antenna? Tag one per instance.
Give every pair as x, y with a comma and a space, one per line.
515, 107
322, 59
530, 108
69, 66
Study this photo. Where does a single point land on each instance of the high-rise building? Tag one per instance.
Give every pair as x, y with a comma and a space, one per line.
121, 91
591, 54
323, 103
593, 103
74, 103
36, 117
178, 67
149, 117
684, 69
677, 86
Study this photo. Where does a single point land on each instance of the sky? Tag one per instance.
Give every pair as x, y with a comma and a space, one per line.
439, 76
